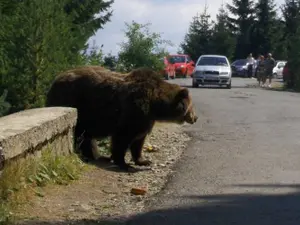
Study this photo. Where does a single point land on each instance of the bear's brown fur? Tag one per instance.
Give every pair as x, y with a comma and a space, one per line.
121, 106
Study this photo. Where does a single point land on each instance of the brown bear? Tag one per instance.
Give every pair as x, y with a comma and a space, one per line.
121, 106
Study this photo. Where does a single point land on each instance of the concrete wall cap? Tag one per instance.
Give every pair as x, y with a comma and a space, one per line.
27, 129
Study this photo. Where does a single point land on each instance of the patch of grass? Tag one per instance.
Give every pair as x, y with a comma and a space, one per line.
278, 86
104, 146
23, 177
281, 87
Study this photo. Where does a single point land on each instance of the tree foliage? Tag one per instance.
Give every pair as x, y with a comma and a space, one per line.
240, 28
110, 61
143, 48
242, 25
40, 38
198, 39
4, 105
291, 15
265, 28
223, 41
87, 17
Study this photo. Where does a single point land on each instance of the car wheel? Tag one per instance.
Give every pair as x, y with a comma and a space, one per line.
185, 74
195, 85
275, 75
228, 86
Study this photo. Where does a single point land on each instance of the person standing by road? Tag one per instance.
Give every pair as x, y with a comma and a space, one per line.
255, 67
269, 65
250, 61
260, 71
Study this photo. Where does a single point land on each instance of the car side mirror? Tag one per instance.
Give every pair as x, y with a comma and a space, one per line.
193, 64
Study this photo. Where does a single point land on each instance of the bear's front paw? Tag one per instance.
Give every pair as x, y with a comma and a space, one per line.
143, 162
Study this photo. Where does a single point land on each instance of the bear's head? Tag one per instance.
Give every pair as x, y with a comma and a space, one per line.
174, 104
160, 100
183, 107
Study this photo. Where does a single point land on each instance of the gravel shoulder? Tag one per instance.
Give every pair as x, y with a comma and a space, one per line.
103, 192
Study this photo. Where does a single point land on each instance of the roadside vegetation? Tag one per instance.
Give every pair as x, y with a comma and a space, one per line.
22, 178
35, 46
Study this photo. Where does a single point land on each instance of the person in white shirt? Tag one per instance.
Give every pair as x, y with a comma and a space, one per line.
250, 61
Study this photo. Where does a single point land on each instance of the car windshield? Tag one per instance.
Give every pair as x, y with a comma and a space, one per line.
177, 59
240, 62
212, 61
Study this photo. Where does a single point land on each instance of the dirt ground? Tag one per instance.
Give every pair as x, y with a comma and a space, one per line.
103, 191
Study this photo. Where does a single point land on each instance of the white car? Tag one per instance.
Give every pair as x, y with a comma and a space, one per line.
278, 68
212, 70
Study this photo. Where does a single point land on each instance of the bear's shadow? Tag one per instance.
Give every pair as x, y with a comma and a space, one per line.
105, 163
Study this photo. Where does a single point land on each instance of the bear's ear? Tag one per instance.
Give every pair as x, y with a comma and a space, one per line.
182, 94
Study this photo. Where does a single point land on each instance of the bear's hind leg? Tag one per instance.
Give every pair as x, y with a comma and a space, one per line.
136, 152
86, 145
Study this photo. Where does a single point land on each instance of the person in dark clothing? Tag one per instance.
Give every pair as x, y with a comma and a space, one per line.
269, 65
260, 71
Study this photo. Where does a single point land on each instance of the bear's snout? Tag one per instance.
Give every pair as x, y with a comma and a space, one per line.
190, 118
195, 118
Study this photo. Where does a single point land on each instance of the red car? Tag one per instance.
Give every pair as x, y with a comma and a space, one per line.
169, 70
184, 65
285, 73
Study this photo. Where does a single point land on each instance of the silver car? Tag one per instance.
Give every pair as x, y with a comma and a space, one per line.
278, 69
212, 70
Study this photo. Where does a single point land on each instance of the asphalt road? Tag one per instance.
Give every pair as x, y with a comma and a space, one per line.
243, 165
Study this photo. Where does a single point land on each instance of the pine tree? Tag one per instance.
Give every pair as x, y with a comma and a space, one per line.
198, 39
38, 39
279, 41
291, 14
265, 31
88, 16
241, 24
222, 40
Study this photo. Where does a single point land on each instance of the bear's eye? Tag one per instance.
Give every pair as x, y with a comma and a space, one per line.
183, 94
181, 107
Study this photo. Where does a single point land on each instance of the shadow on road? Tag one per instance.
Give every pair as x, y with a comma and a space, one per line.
239, 209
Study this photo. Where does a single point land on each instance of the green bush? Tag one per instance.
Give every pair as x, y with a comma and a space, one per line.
4, 105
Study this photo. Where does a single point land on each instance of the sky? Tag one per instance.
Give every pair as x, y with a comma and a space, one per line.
170, 18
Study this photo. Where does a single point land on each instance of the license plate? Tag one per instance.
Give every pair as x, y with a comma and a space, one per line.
212, 78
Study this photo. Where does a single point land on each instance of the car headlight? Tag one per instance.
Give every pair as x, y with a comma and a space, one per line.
182, 66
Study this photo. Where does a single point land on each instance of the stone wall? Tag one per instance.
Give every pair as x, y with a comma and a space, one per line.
29, 132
